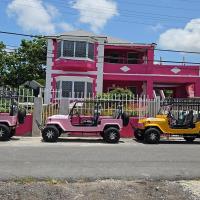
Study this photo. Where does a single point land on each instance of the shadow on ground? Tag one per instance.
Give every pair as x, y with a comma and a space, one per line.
82, 140
172, 142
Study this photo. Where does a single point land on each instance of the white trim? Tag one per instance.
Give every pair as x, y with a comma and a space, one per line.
166, 85
74, 78
81, 39
72, 72
75, 58
50, 48
162, 75
100, 67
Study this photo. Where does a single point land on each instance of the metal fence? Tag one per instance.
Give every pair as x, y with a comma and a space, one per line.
23, 97
134, 106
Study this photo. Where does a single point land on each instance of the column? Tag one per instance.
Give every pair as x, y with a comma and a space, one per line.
197, 89
150, 89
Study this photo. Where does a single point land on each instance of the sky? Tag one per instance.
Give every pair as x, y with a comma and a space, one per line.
171, 24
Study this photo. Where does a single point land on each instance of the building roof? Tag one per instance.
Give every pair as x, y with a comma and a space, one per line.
108, 39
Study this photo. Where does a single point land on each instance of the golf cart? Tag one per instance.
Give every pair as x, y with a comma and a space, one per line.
10, 117
107, 127
177, 117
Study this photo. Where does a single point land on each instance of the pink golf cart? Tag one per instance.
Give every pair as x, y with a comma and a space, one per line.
107, 127
10, 118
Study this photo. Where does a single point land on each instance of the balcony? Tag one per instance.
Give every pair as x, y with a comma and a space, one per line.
146, 70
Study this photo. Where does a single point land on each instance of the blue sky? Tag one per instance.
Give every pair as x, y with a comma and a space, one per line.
172, 24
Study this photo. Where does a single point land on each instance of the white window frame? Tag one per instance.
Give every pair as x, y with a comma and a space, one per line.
74, 79
76, 58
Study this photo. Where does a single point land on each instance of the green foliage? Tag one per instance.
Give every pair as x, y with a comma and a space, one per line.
23, 64
118, 93
41, 81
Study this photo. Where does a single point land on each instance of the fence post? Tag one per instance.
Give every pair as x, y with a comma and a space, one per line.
64, 106
37, 115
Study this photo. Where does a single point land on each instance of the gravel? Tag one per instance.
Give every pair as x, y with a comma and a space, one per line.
28, 189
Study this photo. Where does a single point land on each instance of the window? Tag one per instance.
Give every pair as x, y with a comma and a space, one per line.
57, 88
68, 48
80, 49
79, 89
66, 88
75, 49
133, 58
89, 89
58, 49
112, 58
91, 51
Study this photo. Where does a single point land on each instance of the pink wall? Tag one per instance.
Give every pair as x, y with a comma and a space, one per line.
151, 69
26, 128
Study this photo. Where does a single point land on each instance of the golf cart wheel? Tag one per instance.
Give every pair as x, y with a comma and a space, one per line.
152, 136
50, 134
189, 139
111, 135
138, 135
4, 132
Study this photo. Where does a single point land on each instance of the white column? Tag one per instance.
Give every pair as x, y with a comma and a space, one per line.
100, 64
47, 94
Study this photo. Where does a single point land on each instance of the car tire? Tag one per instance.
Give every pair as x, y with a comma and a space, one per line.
4, 132
139, 135
50, 134
111, 135
189, 139
152, 136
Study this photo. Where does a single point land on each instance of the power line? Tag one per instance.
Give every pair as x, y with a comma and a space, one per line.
157, 49
19, 34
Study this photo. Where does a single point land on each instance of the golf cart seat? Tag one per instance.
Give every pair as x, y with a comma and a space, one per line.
188, 122
189, 119
94, 121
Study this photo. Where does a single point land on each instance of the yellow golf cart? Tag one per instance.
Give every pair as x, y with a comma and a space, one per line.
177, 117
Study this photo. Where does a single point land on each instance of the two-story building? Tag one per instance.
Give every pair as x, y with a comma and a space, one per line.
80, 63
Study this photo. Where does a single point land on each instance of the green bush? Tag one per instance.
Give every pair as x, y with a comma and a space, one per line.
118, 93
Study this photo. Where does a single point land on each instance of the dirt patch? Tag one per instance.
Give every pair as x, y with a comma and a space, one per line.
192, 187
105, 190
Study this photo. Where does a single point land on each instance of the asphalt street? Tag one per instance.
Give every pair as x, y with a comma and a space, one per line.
92, 159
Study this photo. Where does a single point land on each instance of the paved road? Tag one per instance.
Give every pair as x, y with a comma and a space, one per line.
71, 158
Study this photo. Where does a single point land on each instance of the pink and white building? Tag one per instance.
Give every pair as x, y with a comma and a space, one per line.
81, 63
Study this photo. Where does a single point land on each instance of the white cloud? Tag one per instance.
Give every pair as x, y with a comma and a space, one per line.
52, 10
187, 38
96, 13
32, 15
157, 27
65, 26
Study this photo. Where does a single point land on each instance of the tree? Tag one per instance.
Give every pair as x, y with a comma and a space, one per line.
2, 61
25, 63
